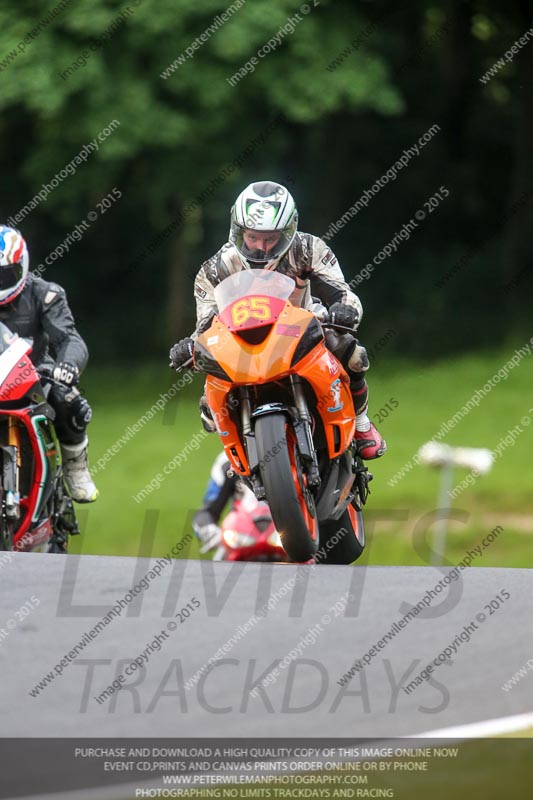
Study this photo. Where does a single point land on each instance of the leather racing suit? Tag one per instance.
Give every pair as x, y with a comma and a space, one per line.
317, 274
41, 313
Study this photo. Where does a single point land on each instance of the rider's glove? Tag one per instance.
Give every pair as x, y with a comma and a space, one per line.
180, 353
341, 314
320, 311
65, 373
210, 536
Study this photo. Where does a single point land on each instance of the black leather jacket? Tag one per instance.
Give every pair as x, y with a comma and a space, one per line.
41, 313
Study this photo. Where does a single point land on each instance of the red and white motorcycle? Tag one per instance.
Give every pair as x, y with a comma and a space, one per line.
35, 510
249, 533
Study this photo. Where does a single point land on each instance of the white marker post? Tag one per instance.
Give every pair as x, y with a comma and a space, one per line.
435, 454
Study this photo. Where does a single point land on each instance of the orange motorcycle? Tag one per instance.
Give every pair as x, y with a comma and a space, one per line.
282, 405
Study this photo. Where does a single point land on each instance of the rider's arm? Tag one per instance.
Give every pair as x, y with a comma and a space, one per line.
66, 344
220, 490
327, 280
225, 262
204, 294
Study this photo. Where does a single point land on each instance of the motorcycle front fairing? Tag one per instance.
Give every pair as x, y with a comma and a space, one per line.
262, 339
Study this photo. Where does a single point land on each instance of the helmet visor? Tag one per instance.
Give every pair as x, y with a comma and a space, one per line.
260, 246
10, 275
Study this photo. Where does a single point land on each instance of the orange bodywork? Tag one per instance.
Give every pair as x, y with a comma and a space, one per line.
269, 361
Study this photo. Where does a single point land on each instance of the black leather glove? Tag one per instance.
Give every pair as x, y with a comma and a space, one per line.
181, 353
65, 373
341, 314
79, 414
73, 412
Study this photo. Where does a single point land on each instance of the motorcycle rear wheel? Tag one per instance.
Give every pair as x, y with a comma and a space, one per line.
291, 503
7, 530
343, 540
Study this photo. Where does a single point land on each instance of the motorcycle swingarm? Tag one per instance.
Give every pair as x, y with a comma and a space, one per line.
339, 481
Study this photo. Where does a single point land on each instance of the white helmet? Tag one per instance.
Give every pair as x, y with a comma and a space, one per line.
14, 264
267, 207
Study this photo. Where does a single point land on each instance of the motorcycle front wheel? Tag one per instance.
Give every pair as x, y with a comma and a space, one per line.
290, 500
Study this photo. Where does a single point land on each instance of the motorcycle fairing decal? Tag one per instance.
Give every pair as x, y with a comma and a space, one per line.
288, 330
44, 464
252, 311
336, 396
333, 365
12, 356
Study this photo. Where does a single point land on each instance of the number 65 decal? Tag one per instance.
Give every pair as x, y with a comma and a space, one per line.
256, 307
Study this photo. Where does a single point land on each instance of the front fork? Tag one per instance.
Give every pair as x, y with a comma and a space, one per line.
302, 426
249, 443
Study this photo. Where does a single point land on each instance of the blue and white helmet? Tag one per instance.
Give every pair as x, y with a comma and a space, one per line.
267, 207
14, 263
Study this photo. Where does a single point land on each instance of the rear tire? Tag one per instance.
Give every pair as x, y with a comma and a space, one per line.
291, 503
7, 529
347, 535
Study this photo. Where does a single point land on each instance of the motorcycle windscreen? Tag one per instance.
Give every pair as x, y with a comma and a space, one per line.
7, 338
252, 298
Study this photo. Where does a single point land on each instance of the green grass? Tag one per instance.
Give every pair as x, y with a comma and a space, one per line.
427, 396
400, 547
114, 524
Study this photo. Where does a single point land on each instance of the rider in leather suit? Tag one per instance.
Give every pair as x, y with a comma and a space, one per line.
263, 234
38, 310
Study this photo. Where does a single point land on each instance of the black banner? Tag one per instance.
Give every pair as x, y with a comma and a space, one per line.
414, 769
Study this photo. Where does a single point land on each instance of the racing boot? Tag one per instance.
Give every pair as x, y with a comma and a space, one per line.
76, 473
369, 441
367, 438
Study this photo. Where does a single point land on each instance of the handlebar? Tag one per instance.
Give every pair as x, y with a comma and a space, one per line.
334, 327
330, 325
45, 378
188, 365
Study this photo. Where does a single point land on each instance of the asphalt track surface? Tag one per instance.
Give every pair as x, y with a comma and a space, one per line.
305, 700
